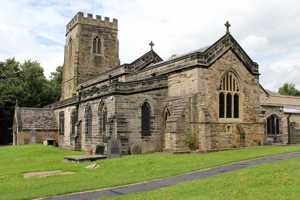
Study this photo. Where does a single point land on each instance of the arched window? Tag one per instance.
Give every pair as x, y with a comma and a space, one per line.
146, 116
102, 116
73, 121
229, 96
88, 120
61, 128
273, 125
166, 115
97, 45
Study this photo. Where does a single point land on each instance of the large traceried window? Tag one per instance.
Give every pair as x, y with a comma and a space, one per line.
229, 96
146, 119
88, 120
97, 45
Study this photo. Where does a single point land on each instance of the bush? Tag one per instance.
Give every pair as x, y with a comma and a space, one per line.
190, 141
136, 149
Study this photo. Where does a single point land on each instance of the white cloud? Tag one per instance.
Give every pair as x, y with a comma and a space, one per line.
268, 30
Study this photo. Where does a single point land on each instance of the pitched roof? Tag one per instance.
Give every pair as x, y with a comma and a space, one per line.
281, 100
35, 118
140, 63
206, 56
145, 60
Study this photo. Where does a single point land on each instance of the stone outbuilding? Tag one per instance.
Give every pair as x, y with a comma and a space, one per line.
34, 125
281, 117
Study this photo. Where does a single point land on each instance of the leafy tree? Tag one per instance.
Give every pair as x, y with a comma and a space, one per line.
289, 89
55, 83
27, 84
10, 82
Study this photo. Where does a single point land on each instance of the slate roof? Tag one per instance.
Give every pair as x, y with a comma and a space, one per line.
142, 62
270, 98
35, 118
206, 56
274, 99
145, 60
200, 50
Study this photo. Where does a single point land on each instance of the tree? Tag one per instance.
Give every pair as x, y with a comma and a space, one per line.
55, 83
26, 83
289, 89
10, 86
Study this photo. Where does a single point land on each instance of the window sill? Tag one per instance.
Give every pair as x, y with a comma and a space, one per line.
146, 138
229, 120
97, 54
276, 135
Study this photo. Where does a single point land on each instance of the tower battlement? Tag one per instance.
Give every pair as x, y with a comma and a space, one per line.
90, 19
92, 47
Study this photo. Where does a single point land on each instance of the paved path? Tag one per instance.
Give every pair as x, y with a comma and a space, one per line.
155, 184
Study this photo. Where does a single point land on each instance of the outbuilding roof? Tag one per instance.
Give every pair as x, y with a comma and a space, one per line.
35, 118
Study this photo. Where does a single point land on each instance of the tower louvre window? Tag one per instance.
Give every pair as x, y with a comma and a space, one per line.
229, 96
97, 45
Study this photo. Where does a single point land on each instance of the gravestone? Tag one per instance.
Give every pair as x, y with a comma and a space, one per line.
115, 148
33, 136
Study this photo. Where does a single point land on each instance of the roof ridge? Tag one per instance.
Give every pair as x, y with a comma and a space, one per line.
34, 108
285, 96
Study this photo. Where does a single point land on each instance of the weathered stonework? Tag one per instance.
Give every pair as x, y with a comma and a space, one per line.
152, 105
81, 63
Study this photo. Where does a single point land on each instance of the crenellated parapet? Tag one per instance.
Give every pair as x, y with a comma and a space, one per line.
90, 19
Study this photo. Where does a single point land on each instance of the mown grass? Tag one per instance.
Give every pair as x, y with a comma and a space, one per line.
276, 181
14, 161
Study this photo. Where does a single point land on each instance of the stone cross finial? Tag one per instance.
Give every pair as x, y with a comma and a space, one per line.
227, 26
151, 45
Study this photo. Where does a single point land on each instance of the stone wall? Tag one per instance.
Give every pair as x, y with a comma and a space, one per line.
81, 63
123, 122
96, 138
34, 137
249, 125
184, 83
65, 140
201, 112
128, 111
192, 100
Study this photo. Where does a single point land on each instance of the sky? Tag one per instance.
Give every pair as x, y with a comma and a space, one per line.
269, 30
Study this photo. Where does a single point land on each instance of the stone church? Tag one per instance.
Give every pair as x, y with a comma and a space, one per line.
205, 100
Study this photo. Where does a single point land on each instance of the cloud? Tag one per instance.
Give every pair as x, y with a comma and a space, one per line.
268, 30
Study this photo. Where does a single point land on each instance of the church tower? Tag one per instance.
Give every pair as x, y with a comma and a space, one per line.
91, 48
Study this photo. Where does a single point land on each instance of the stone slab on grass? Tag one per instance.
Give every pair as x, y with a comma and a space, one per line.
83, 158
46, 173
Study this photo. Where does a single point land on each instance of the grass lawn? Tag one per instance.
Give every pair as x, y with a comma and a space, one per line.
14, 161
277, 181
